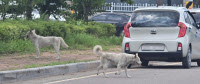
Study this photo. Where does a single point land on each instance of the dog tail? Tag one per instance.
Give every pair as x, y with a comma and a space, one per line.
63, 43
97, 50
136, 54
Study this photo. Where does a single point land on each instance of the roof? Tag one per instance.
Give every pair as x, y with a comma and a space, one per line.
163, 8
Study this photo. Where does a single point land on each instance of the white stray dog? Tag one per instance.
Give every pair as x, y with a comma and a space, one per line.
121, 60
40, 41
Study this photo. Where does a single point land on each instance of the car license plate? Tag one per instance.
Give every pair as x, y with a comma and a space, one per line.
153, 47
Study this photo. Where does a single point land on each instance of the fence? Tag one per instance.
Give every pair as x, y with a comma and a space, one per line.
124, 7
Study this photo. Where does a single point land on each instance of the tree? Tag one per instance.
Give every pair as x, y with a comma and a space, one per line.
85, 8
29, 8
4, 6
13, 8
48, 7
16, 7
128, 1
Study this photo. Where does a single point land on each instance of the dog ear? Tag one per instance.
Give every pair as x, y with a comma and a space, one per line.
136, 55
30, 32
34, 30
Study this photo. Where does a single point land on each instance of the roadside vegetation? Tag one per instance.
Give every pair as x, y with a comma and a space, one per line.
77, 31
76, 34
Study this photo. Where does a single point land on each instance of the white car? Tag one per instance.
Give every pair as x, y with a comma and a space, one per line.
163, 33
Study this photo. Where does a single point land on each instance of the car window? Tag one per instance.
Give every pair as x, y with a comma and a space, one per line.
192, 20
197, 17
187, 19
189, 16
99, 18
155, 19
114, 17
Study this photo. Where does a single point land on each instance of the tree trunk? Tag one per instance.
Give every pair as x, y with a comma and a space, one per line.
29, 10
85, 12
4, 12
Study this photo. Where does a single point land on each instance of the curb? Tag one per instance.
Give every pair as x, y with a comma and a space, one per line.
27, 74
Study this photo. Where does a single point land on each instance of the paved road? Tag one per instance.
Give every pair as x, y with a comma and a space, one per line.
156, 73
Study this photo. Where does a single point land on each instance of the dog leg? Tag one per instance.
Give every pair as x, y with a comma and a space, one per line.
38, 52
56, 48
126, 72
119, 69
104, 70
99, 69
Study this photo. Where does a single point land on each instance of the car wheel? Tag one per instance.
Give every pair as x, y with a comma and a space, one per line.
198, 62
187, 60
144, 62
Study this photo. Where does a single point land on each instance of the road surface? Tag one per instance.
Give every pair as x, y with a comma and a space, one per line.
156, 73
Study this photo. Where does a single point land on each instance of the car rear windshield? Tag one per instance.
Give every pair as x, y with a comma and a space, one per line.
197, 17
155, 19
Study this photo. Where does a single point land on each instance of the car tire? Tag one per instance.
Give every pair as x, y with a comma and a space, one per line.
144, 62
198, 62
187, 60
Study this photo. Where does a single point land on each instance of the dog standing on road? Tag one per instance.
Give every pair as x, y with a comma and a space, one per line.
40, 41
120, 60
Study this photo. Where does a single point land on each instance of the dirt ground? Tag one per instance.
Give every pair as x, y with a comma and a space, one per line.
17, 61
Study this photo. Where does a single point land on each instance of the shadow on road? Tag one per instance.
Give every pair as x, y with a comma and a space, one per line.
164, 67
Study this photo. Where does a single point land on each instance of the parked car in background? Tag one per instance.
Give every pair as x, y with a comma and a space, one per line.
196, 14
163, 33
114, 18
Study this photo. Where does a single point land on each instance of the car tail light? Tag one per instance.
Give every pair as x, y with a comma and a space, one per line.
127, 48
183, 29
179, 46
126, 30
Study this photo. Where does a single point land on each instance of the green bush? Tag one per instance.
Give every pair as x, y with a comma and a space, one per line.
100, 29
9, 31
14, 29
75, 41
76, 34
16, 46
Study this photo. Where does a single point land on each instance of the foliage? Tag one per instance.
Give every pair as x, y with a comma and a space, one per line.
85, 8
50, 7
82, 8
128, 1
4, 8
76, 34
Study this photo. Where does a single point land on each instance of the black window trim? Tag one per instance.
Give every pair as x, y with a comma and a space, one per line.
192, 18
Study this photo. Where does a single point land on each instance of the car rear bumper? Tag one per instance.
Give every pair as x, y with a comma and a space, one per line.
160, 56
171, 46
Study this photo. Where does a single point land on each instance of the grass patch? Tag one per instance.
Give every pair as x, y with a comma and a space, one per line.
54, 63
79, 41
88, 41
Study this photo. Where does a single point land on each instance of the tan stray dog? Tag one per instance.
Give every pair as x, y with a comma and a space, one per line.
121, 60
40, 41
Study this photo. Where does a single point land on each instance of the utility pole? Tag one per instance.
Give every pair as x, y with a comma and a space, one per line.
169, 3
